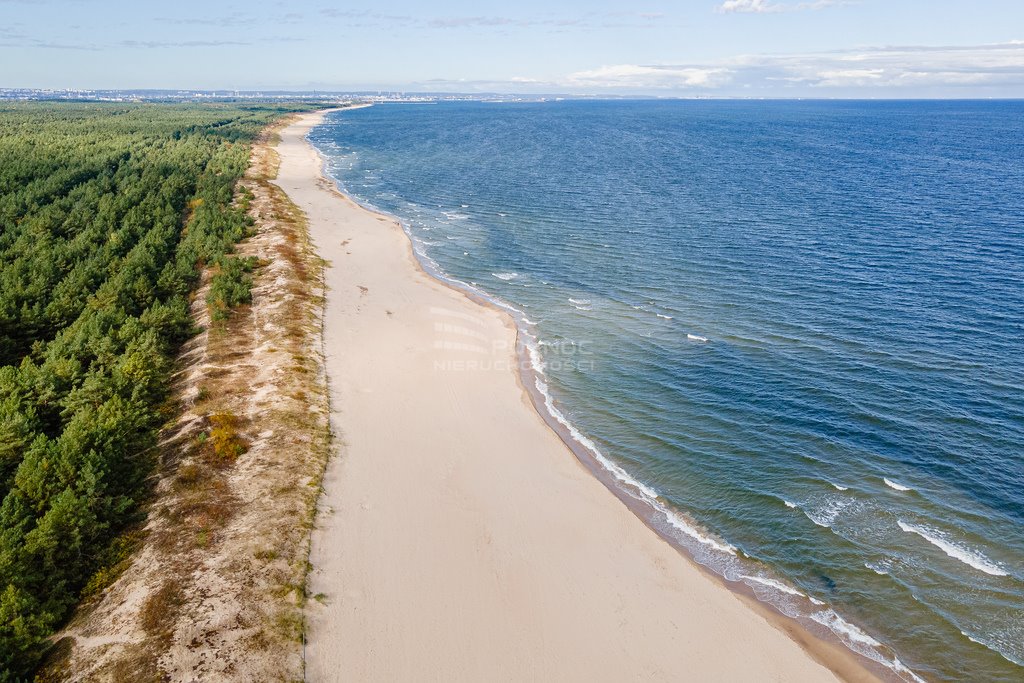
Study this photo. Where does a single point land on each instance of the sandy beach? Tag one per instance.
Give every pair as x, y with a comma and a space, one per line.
459, 539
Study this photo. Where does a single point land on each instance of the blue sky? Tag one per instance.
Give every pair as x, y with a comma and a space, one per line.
781, 48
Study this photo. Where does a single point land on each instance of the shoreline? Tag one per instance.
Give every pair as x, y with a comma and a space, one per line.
831, 656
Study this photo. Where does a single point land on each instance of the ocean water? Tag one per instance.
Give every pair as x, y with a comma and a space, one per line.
793, 328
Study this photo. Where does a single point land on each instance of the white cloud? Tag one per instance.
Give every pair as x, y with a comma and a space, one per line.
637, 76
766, 7
753, 6
848, 77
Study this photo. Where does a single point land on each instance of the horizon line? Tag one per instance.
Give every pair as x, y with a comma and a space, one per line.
229, 93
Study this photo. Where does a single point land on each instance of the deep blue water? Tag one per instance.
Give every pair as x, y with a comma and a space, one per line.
763, 311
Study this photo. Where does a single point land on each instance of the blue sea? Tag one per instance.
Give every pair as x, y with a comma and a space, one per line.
795, 330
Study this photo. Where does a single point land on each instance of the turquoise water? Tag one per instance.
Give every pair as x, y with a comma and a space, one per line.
797, 324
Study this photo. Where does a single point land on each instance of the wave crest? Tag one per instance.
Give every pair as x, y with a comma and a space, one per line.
959, 552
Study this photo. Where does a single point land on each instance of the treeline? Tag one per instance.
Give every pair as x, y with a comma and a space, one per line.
107, 215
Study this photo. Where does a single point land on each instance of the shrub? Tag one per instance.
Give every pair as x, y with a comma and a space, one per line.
225, 442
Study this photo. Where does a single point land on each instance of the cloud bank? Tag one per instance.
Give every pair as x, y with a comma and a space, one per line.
640, 76
889, 72
893, 68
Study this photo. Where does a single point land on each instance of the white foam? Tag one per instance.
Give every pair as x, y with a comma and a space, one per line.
958, 552
666, 317
772, 583
901, 668
893, 485
506, 276
696, 337
535, 358
843, 628
837, 487
818, 520
580, 304
825, 515
876, 569
788, 504
682, 525
969, 637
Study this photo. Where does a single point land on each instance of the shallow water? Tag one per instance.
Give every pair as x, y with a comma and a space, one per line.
799, 323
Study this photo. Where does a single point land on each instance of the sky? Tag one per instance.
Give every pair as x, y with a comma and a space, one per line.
688, 48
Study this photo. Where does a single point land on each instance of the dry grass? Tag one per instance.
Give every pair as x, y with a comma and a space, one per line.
160, 609
215, 587
226, 443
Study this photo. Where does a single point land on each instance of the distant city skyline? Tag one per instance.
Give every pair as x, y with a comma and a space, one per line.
719, 48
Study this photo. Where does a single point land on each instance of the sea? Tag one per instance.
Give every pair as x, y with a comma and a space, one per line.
793, 330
